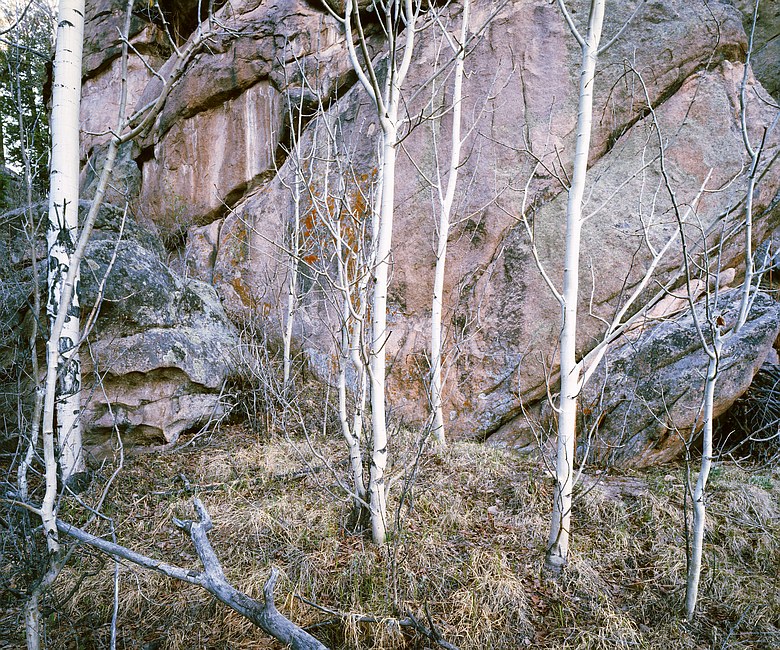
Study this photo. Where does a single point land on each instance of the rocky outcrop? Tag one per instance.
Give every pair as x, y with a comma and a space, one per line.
645, 399
236, 94
160, 348
766, 42
102, 68
215, 177
502, 317
188, 180
514, 299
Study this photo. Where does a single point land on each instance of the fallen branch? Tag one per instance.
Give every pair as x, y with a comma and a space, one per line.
212, 579
409, 621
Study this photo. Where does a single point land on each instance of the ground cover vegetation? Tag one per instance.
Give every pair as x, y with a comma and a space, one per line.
402, 537
469, 552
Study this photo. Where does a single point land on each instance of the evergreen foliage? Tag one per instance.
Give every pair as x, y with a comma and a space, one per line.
25, 62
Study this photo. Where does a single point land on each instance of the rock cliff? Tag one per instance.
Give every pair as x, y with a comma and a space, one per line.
213, 175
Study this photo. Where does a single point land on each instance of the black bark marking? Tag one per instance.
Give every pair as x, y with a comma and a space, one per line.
68, 377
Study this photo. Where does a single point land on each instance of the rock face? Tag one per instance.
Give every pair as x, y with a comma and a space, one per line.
766, 44
647, 394
236, 95
189, 179
215, 176
161, 346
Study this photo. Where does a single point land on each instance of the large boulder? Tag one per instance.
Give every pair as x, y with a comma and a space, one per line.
162, 346
213, 179
519, 317
501, 318
646, 396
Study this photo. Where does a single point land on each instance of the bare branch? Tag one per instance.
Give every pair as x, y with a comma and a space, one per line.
570, 22
212, 579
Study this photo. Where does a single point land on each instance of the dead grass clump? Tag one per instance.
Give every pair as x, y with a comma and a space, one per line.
468, 551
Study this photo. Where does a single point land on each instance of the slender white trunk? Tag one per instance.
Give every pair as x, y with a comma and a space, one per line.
292, 286
32, 609
697, 497
558, 543
446, 200
48, 504
362, 388
351, 433
32, 622
386, 99
379, 334
63, 233
699, 510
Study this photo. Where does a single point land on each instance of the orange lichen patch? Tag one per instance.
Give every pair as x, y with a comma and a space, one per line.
243, 292
323, 214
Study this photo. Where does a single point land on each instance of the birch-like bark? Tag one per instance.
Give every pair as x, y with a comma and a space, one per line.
353, 432
558, 543
699, 510
352, 321
32, 611
714, 351
376, 485
62, 353
66, 245
292, 286
386, 99
445, 203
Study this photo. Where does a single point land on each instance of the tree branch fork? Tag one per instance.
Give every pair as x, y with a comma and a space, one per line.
264, 615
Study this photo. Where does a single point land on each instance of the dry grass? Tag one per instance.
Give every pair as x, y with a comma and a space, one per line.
469, 549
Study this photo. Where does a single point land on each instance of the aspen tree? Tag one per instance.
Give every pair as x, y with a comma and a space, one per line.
446, 198
714, 333
558, 544
396, 16
62, 234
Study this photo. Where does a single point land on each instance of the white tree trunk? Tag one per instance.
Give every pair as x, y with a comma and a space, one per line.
379, 334
558, 543
292, 286
446, 200
63, 233
349, 355
699, 510
352, 432
386, 99
714, 352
